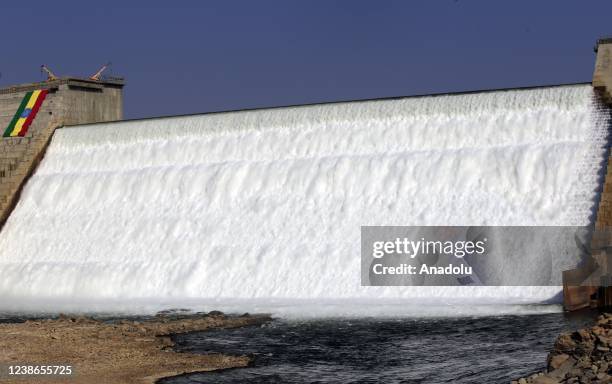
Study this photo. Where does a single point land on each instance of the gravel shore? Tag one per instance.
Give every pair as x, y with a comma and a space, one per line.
115, 352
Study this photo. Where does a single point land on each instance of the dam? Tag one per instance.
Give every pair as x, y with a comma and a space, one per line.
262, 208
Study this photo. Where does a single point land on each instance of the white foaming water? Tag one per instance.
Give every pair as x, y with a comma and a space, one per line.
261, 207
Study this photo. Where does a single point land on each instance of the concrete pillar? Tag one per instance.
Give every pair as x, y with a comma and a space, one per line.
602, 77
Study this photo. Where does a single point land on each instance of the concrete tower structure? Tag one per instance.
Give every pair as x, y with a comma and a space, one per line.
67, 101
602, 77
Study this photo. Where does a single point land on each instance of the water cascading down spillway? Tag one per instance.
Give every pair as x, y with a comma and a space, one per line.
261, 208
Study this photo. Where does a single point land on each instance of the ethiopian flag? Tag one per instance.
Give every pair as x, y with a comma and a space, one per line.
25, 113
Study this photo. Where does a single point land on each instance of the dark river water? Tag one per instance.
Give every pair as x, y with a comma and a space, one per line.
459, 350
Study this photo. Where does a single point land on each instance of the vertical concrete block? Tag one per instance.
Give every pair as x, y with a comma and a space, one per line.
602, 77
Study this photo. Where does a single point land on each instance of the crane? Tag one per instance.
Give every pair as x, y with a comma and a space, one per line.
98, 75
50, 75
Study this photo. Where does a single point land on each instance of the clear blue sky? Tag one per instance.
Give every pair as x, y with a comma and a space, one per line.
199, 56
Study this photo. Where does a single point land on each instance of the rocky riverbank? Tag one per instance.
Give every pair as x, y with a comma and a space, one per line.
117, 352
581, 357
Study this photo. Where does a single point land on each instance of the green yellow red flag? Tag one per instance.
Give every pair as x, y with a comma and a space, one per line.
25, 114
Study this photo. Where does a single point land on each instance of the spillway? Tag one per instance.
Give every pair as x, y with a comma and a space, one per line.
267, 205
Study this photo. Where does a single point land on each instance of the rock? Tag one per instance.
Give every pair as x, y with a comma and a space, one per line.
575, 372
588, 374
584, 362
545, 380
522, 381
583, 335
85, 320
565, 343
166, 341
557, 360
603, 376
603, 367
604, 319
564, 369
604, 341
216, 313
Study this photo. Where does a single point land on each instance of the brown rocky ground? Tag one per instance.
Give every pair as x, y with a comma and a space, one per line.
581, 357
114, 353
